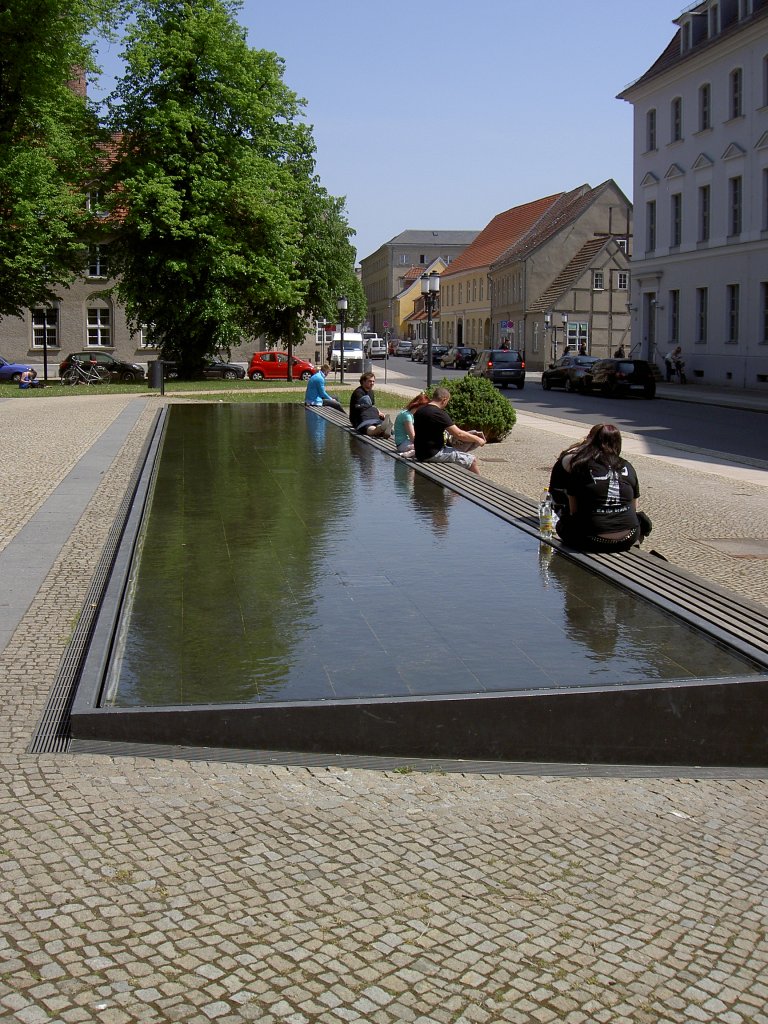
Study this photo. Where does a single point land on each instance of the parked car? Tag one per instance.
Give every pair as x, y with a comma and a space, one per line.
274, 366
215, 368
212, 369
119, 369
502, 366
354, 357
376, 348
417, 351
460, 357
404, 347
621, 376
438, 351
12, 371
568, 372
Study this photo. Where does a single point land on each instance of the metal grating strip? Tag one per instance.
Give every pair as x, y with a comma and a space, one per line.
53, 735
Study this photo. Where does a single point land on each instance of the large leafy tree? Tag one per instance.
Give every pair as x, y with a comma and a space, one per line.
211, 180
48, 139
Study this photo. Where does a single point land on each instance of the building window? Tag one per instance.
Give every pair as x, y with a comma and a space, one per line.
676, 219
93, 203
765, 199
745, 9
99, 327
702, 315
622, 280
98, 263
704, 213
676, 118
674, 316
650, 224
714, 20
734, 205
737, 97
650, 130
764, 313
705, 107
45, 327
597, 280
461, 292
422, 258
765, 81
474, 289
481, 289
403, 259
733, 313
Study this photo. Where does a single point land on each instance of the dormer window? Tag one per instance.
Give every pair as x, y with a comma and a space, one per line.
714, 20
745, 9
685, 36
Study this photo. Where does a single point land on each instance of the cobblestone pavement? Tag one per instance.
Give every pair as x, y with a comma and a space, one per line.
142, 890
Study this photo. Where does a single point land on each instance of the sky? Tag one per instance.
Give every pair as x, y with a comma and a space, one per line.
439, 116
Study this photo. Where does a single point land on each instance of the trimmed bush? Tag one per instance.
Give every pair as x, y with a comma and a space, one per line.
477, 405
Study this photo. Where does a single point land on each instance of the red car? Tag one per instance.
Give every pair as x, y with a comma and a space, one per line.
274, 366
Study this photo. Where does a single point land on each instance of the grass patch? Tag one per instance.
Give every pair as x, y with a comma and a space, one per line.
210, 390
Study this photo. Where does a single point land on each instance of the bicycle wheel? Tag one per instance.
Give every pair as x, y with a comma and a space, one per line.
101, 375
70, 376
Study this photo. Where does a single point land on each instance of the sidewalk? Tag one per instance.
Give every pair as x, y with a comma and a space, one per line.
141, 890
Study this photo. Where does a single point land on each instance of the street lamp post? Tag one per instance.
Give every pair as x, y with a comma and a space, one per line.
564, 318
430, 289
341, 305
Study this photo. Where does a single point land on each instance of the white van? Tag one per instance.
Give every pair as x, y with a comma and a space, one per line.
376, 348
353, 351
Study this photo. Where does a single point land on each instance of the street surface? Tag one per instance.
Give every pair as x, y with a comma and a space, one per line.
145, 890
731, 431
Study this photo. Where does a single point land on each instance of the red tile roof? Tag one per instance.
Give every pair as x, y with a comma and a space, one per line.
499, 234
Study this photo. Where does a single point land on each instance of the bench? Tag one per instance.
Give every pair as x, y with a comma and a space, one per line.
728, 617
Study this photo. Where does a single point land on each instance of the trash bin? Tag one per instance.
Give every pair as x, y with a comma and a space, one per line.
156, 379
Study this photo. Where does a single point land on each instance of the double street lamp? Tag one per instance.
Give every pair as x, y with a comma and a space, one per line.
341, 304
430, 289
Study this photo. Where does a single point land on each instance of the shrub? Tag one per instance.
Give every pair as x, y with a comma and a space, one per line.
477, 405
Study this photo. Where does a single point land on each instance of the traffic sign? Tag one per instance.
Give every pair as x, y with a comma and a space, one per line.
386, 324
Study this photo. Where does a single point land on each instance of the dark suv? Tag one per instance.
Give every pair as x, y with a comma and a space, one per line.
119, 370
620, 376
502, 366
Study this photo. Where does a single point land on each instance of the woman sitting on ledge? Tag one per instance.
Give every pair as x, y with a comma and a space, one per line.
602, 493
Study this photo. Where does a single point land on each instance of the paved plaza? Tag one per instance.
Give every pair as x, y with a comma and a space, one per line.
148, 890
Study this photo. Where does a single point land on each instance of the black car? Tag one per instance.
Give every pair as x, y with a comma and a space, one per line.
438, 351
621, 376
502, 366
118, 369
568, 372
212, 369
460, 357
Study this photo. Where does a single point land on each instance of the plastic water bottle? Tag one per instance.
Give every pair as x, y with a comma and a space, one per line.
546, 515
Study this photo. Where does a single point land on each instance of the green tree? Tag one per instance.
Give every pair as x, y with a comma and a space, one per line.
324, 270
48, 146
211, 179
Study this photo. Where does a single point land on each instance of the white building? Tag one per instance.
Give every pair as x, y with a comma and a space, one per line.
700, 254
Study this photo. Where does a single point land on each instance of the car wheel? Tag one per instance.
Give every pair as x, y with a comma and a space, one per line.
306, 375
649, 391
611, 389
545, 384
16, 378
521, 386
257, 375
569, 385
229, 375
128, 377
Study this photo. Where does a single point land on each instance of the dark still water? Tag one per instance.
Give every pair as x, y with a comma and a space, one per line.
284, 560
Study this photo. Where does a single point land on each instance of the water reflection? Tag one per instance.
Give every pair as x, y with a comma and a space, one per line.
280, 562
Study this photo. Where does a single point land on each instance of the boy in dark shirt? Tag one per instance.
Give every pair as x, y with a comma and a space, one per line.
430, 424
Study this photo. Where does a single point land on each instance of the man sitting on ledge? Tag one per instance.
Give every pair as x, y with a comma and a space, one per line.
431, 422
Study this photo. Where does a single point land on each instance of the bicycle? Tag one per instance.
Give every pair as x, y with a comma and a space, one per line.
85, 373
